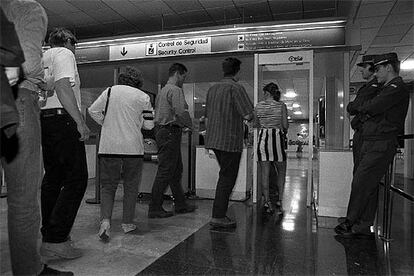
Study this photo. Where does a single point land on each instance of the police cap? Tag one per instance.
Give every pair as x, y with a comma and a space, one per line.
367, 59
385, 58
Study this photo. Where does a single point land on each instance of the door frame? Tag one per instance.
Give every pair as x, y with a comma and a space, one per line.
283, 58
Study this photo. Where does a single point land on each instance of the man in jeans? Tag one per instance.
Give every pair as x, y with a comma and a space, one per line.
227, 106
63, 134
171, 116
23, 171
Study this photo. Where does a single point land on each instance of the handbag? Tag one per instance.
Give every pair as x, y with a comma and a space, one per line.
150, 146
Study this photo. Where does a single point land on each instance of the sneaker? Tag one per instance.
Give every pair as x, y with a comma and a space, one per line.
225, 222
46, 271
128, 227
344, 228
186, 209
103, 233
63, 250
160, 214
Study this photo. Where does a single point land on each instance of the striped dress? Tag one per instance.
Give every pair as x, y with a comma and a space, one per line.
270, 147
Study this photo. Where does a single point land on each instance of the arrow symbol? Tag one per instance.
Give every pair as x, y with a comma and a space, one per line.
123, 52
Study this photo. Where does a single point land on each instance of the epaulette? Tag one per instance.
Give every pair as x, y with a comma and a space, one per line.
393, 85
374, 85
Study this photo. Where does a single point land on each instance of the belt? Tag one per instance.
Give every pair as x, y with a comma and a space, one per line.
50, 112
170, 126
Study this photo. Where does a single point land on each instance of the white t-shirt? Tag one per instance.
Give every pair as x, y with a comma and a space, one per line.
121, 129
60, 63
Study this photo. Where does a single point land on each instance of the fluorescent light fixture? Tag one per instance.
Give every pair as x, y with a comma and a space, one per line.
298, 112
407, 65
341, 105
290, 94
295, 105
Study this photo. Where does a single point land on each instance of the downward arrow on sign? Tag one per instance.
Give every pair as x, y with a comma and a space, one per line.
123, 52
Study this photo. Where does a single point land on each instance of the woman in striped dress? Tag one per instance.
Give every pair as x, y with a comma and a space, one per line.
272, 122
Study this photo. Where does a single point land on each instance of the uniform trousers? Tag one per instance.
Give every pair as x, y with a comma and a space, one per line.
375, 158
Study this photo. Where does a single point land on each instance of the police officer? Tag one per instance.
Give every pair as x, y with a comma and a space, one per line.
368, 91
383, 119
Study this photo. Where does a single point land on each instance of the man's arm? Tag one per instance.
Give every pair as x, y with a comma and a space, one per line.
385, 100
67, 98
98, 107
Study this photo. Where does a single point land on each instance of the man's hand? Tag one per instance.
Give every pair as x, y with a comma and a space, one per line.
12, 74
210, 153
83, 131
187, 129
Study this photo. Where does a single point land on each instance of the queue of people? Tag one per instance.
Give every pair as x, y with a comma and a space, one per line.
57, 124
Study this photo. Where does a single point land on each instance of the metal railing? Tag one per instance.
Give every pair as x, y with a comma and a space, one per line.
389, 191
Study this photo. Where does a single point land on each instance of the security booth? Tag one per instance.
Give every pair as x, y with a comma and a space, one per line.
308, 60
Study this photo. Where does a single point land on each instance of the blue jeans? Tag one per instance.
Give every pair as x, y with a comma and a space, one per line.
170, 168
23, 176
110, 170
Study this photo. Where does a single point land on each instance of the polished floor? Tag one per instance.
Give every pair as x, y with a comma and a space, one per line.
185, 244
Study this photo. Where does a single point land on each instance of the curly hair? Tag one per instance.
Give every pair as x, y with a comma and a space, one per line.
273, 89
131, 77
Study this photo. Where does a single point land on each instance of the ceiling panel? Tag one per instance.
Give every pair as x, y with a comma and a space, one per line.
79, 18
105, 15
58, 6
285, 6
368, 10
369, 22
196, 17
154, 8
216, 3
319, 5
124, 8
89, 5
180, 6
220, 14
388, 39
394, 29
173, 20
261, 9
408, 39
402, 18
403, 6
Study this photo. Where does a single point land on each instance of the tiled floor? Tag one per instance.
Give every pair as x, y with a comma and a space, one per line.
184, 244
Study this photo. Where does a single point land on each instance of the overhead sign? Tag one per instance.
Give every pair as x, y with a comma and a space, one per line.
173, 47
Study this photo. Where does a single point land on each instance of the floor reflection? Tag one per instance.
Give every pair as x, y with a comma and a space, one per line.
277, 245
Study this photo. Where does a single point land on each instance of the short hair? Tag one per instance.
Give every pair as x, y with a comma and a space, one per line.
231, 66
177, 67
131, 77
273, 90
59, 36
395, 66
371, 67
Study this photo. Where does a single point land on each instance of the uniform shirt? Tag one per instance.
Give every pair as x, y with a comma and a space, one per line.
385, 113
30, 21
271, 114
226, 105
171, 107
121, 126
368, 91
60, 63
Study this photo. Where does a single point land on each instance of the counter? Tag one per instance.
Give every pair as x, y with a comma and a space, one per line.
207, 170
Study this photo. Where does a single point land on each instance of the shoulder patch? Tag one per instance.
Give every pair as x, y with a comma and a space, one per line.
393, 85
374, 85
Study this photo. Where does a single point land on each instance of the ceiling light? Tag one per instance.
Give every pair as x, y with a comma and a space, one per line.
298, 112
341, 105
290, 94
289, 117
295, 105
407, 65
